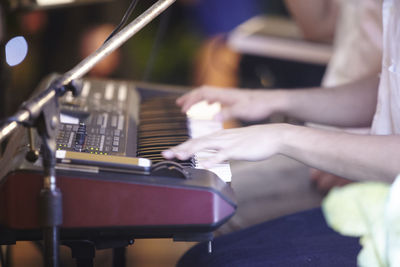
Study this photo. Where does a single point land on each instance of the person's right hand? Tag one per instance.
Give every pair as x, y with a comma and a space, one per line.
248, 105
252, 143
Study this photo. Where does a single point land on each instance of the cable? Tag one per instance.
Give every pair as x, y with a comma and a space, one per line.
162, 28
124, 19
160, 33
8, 256
5, 260
2, 261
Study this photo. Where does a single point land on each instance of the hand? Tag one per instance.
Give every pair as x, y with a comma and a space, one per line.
248, 143
249, 105
326, 181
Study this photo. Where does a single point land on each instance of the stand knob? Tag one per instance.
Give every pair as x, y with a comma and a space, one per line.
33, 154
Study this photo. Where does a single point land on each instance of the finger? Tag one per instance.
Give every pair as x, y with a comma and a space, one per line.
209, 94
187, 149
333, 181
168, 154
215, 159
191, 98
315, 174
329, 181
325, 183
343, 181
176, 152
182, 99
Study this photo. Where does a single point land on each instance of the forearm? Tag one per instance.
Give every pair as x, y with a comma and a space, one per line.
351, 105
316, 18
359, 157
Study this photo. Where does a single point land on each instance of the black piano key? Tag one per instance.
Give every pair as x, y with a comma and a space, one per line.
162, 134
153, 149
159, 120
161, 140
161, 126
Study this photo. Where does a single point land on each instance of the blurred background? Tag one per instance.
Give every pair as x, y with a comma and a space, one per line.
185, 45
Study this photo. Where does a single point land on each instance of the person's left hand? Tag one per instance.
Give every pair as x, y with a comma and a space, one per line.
248, 143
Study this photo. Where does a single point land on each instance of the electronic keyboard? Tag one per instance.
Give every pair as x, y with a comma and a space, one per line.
110, 171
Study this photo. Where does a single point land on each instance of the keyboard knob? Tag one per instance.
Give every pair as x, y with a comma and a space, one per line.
169, 169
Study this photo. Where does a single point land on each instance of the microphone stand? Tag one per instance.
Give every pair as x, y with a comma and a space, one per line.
42, 112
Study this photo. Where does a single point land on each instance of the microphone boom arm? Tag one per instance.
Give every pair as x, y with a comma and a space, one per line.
30, 110
42, 112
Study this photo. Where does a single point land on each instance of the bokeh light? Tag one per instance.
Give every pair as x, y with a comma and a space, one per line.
16, 50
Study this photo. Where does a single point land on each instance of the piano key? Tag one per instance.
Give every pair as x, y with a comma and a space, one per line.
200, 123
162, 133
162, 125
163, 139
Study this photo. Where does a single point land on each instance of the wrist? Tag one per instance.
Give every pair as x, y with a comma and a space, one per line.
280, 135
281, 101
288, 135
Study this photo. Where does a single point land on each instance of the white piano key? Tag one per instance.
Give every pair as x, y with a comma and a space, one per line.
121, 121
71, 139
203, 111
223, 170
122, 92
67, 119
85, 89
200, 128
109, 92
69, 97
200, 123
105, 120
97, 96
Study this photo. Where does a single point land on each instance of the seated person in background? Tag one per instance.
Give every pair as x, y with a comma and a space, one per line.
215, 63
316, 19
304, 239
92, 38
